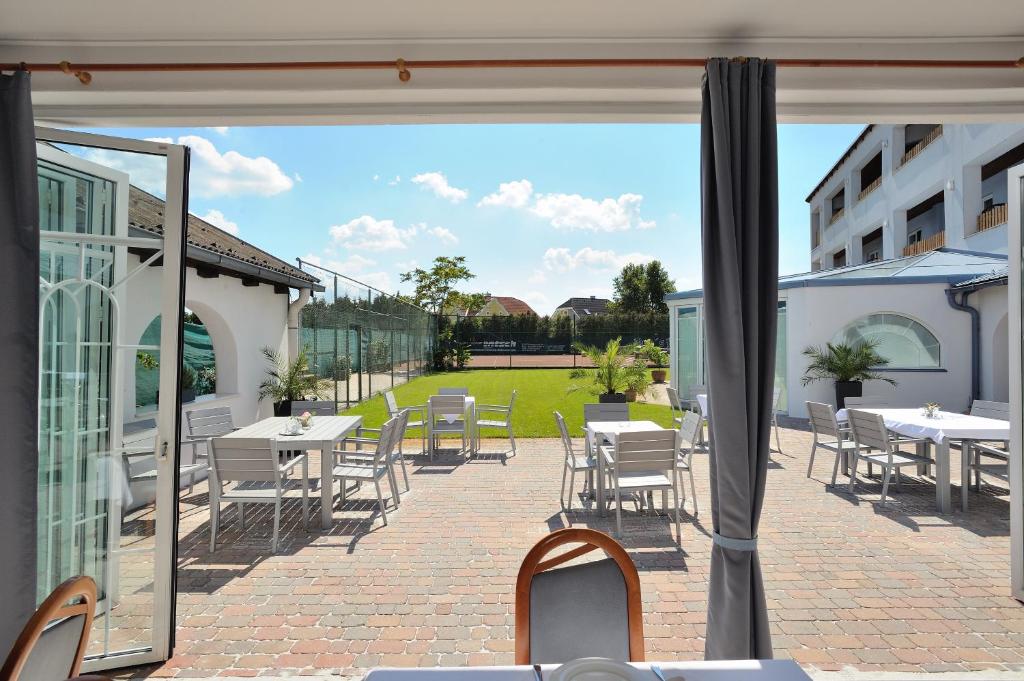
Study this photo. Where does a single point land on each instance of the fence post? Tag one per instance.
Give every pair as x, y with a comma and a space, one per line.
572, 339
511, 343
334, 366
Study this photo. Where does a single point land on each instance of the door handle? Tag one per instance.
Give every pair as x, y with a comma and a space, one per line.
163, 450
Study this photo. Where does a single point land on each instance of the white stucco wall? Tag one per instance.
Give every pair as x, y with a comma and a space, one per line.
816, 314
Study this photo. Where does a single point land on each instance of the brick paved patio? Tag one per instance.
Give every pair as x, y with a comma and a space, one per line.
850, 584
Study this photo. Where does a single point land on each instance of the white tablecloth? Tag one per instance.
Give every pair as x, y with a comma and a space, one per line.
702, 400
731, 670
947, 426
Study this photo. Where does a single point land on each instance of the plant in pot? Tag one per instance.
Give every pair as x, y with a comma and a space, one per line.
188, 383
287, 381
637, 380
649, 353
848, 364
610, 371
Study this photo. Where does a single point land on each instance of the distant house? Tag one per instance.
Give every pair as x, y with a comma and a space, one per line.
578, 308
503, 306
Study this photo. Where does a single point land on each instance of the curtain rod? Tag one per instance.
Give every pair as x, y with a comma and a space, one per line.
84, 71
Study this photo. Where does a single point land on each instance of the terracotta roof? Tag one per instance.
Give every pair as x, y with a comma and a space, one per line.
513, 305
146, 212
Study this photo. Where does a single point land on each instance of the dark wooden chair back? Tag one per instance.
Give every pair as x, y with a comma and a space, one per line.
52, 644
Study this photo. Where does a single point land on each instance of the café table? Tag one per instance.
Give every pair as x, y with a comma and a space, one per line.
609, 430
941, 429
696, 670
470, 420
323, 434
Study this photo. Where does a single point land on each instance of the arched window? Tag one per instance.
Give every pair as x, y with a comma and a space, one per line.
907, 344
199, 373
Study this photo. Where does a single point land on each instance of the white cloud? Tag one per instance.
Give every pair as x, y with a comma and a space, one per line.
575, 212
217, 219
356, 266
515, 194
396, 180
538, 277
232, 173
146, 172
444, 235
367, 233
538, 300
376, 177
220, 129
563, 260
438, 183
298, 178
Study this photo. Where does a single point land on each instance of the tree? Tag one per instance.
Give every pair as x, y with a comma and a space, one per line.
435, 288
642, 288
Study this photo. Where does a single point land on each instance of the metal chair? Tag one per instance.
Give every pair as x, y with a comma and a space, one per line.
445, 414
505, 423
601, 411
688, 426
869, 433
972, 452
641, 462
573, 463
674, 405
314, 407
395, 456
837, 437
52, 644
453, 391
247, 462
374, 469
419, 422
583, 610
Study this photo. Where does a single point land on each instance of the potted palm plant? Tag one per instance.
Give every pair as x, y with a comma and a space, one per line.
287, 381
649, 353
637, 380
848, 365
610, 372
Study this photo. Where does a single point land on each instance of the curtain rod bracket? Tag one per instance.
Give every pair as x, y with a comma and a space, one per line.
84, 77
403, 72
1020, 63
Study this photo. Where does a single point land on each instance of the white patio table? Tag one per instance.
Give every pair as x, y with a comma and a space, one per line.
609, 430
325, 432
699, 670
946, 426
471, 429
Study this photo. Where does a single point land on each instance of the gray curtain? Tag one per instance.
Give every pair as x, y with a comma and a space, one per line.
739, 229
19, 368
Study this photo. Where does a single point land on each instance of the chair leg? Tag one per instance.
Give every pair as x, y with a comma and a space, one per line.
512, 439
899, 485
693, 487
305, 492
853, 472
835, 467
572, 485
618, 512
675, 497
380, 501
885, 482
778, 442
277, 524
214, 522
561, 490
810, 464
405, 474
393, 484
241, 514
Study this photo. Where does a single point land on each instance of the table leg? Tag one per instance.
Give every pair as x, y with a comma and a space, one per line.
600, 480
942, 488
326, 484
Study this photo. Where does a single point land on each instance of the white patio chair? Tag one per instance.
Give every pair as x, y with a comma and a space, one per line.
419, 411
505, 423
453, 391
674, 405
395, 457
688, 426
203, 424
970, 461
248, 461
573, 462
886, 402
828, 434
869, 433
641, 462
446, 415
138, 457
314, 407
602, 411
374, 469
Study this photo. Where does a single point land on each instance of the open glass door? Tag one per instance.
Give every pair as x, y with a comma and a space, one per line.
107, 469
1015, 201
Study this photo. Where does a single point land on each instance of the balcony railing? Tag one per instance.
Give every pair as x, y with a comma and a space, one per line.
836, 216
993, 217
920, 146
870, 188
937, 240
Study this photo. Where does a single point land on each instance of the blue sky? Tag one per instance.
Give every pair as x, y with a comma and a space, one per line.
542, 212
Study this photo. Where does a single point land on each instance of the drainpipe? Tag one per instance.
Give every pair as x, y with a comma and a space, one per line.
293, 322
962, 305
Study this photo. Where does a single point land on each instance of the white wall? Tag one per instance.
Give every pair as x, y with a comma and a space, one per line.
995, 367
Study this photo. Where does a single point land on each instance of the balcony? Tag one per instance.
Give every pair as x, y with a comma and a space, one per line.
916, 150
937, 240
870, 188
835, 217
993, 217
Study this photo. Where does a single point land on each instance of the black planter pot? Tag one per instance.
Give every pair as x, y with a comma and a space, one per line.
846, 389
617, 398
283, 408
188, 395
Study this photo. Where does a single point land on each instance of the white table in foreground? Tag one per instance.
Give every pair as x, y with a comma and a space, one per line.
941, 430
729, 670
610, 430
325, 432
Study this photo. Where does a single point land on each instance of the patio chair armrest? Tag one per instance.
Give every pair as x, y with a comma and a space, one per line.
293, 462
989, 449
492, 407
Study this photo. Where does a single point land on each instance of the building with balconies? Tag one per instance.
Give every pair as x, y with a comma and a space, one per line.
902, 190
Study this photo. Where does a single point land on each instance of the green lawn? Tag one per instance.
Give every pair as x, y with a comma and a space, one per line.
541, 392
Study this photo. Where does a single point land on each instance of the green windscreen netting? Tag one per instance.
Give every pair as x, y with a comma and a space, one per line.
199, 377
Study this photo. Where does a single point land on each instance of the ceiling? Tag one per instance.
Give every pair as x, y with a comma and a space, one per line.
260, 30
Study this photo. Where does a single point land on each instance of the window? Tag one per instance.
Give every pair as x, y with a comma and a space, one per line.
907, 344
198, 375
987, 202
914, 237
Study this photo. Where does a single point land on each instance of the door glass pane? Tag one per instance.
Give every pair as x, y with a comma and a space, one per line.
688, 350
780, 358
97, 464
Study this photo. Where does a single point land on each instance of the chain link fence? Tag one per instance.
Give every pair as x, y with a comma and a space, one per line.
361, 339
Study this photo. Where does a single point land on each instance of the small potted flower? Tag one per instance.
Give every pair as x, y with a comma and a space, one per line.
931, 410
306, 419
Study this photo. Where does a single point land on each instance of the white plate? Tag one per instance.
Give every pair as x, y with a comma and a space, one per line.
290, 434
597, 669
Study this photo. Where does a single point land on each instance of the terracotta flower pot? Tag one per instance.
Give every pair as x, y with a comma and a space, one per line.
630, 395
659, 375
